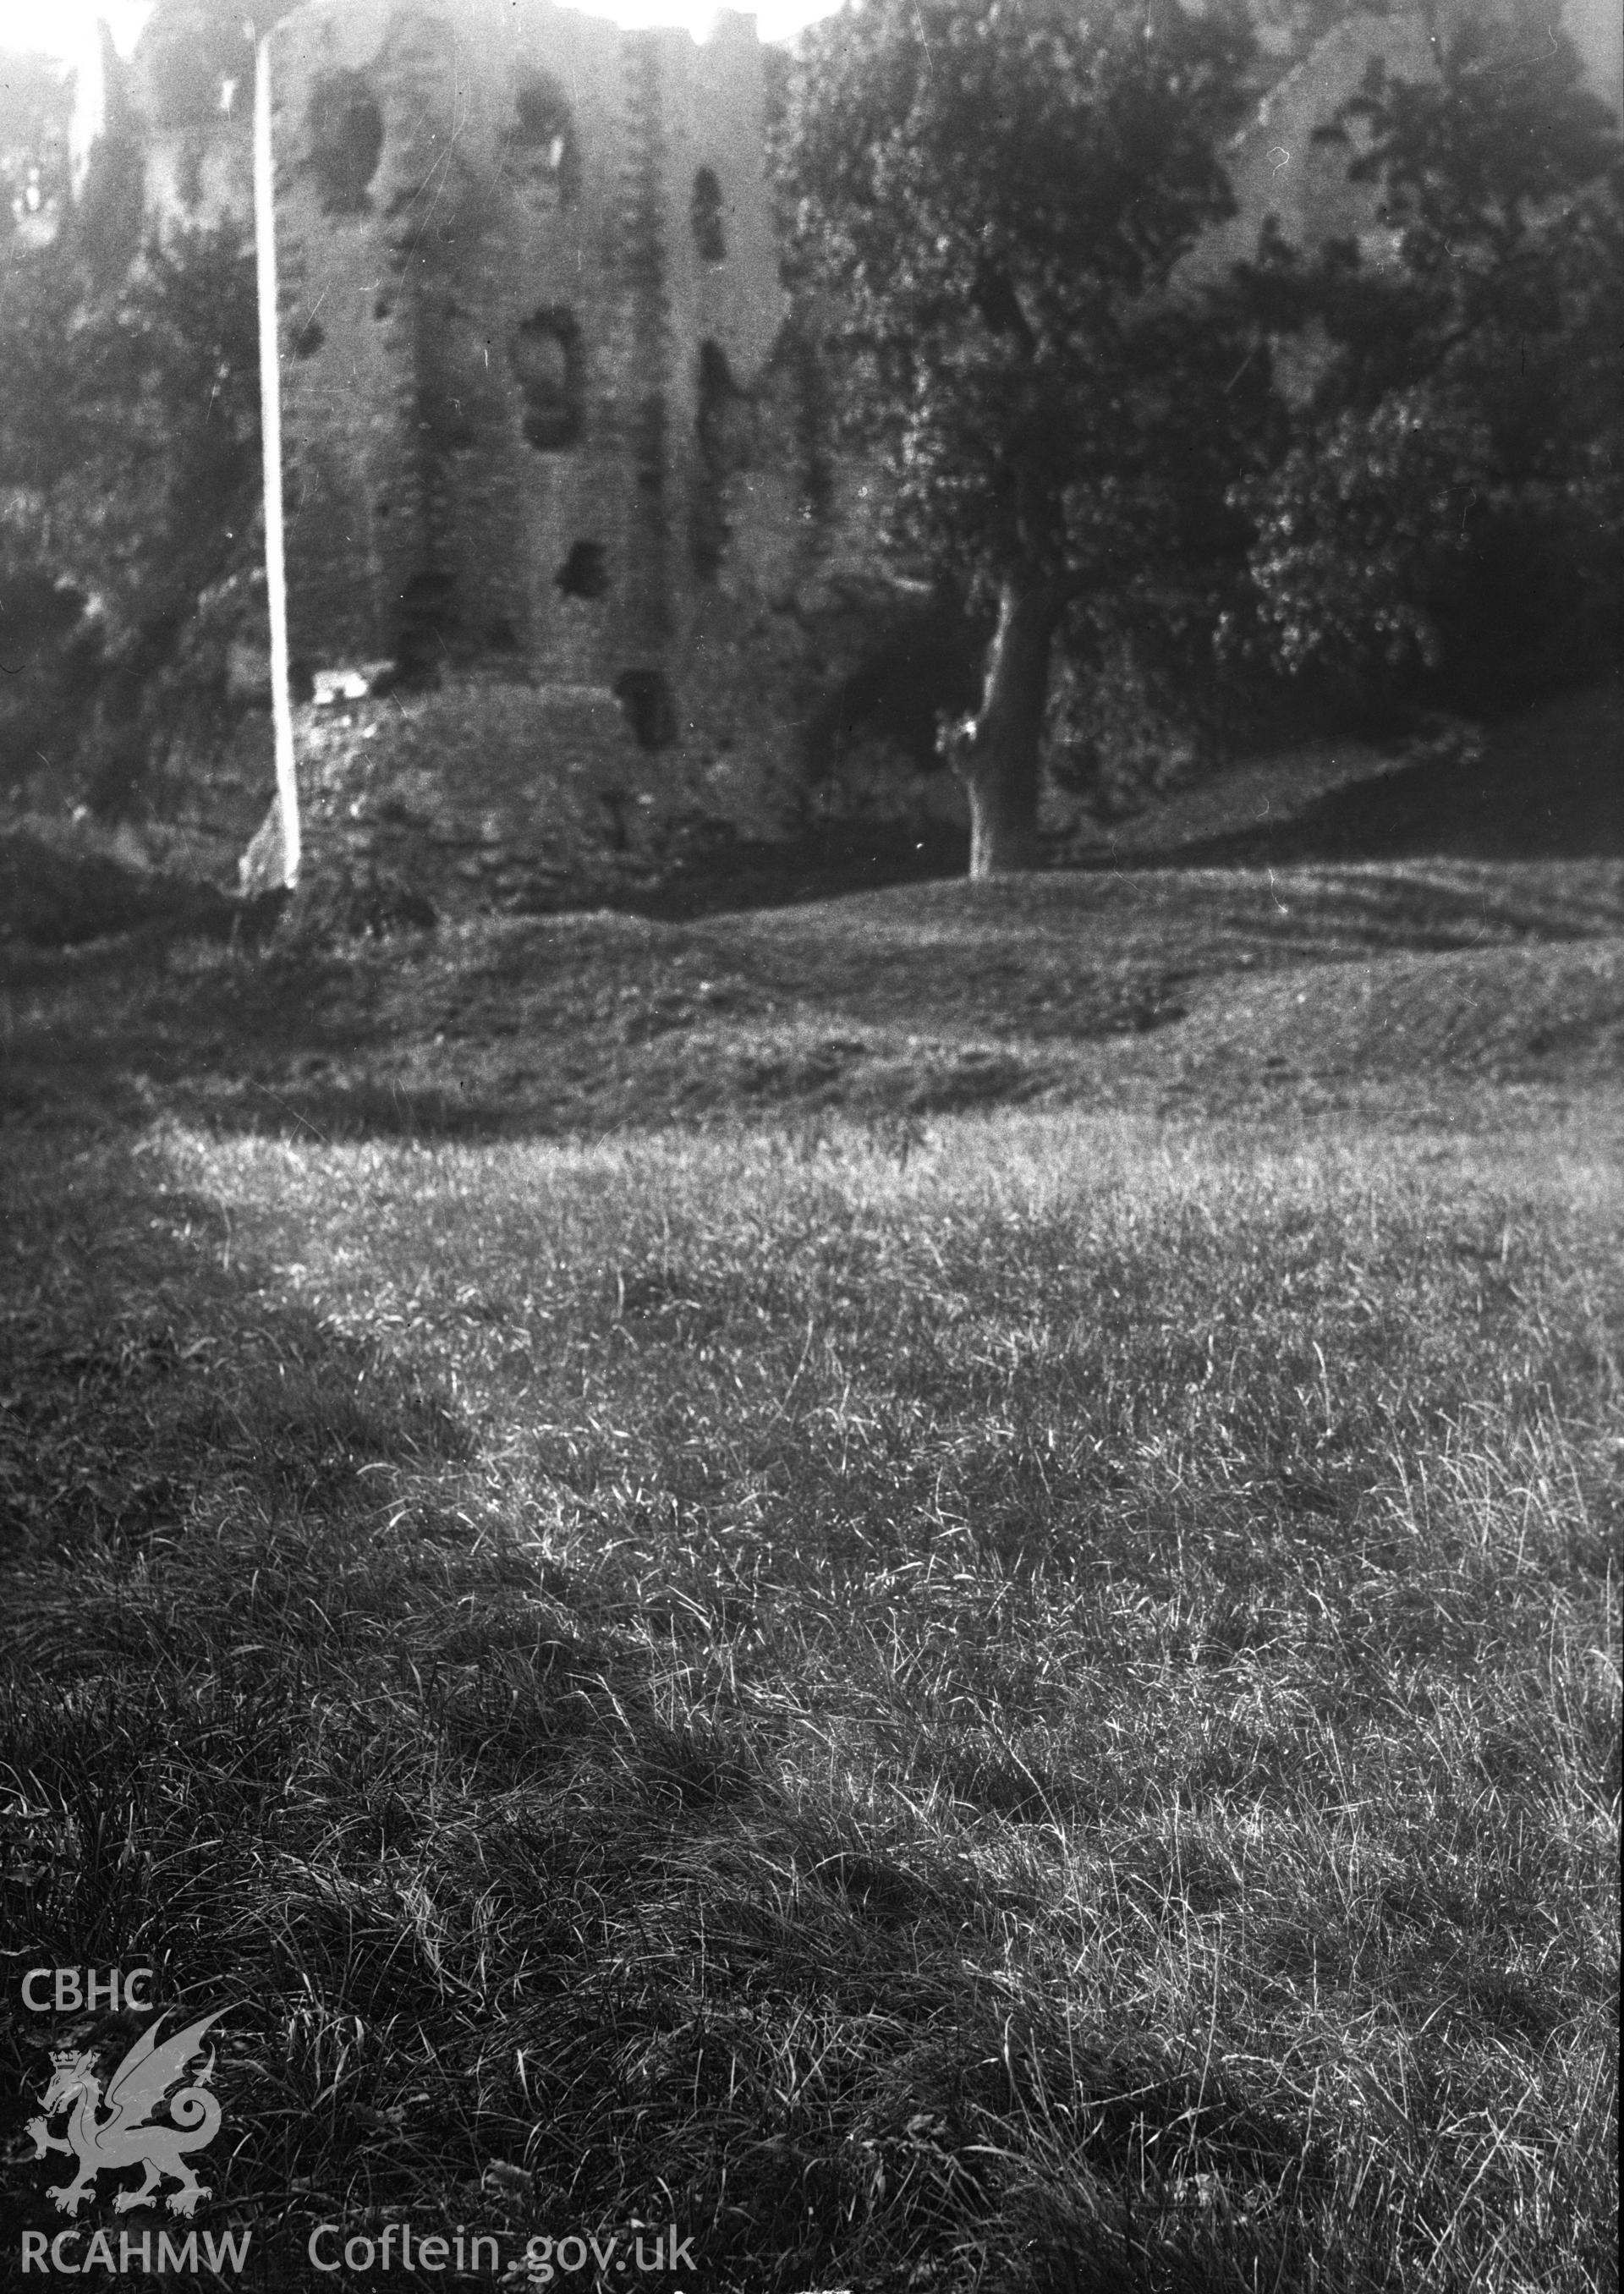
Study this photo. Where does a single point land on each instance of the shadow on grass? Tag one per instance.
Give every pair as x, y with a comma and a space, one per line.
1547, 785
101, 1036
297, 1716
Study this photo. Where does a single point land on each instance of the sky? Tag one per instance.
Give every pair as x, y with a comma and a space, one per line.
62, 27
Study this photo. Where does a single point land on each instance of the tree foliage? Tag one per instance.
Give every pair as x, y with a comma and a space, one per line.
128, 474
995, 196
995, 193
1401, 449
1452, 495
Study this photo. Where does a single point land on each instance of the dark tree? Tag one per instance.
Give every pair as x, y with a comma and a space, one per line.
129, 470
1452, 494
996, 198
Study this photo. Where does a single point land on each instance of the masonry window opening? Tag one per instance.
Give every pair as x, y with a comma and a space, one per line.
585, 571
548, 367
649, 706
345, 132
705, 214
545, 128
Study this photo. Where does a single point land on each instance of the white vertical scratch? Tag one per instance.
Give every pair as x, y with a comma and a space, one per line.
271, 432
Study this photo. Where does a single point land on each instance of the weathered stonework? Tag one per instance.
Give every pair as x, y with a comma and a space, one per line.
529, 284
540, 428
1276, 167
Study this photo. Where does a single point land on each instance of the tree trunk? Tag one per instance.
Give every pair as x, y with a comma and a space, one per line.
996, 755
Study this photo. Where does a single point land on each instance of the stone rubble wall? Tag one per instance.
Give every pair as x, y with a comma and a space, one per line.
489, 794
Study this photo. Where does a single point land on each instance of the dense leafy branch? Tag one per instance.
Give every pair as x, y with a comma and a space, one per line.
992, 194
994, 198
128, 462
1454, 490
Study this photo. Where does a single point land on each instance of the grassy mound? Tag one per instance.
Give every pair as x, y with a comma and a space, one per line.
1152, 988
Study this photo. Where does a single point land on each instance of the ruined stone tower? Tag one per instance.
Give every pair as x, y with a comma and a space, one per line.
541, 447
529, 279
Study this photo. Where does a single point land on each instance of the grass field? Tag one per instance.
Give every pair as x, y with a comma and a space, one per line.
926, 1584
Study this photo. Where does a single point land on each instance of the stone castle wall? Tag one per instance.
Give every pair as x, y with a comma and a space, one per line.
1276, 167
529, 281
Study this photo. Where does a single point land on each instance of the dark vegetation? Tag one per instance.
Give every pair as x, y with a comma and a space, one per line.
129, 544
997, 202
1386, 474
1451, 502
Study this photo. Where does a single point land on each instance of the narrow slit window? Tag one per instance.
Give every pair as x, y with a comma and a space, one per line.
584, 573
544, 137
705, 213
345, 129
548, 366
650, 706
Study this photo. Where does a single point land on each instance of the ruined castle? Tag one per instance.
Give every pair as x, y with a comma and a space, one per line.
545, 446
529, 281
542, 441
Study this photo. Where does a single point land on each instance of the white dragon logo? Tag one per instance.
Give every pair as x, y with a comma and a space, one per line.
126, 2137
